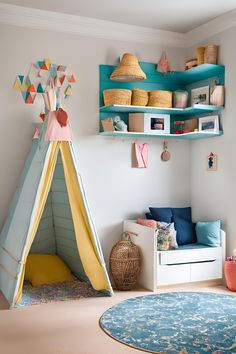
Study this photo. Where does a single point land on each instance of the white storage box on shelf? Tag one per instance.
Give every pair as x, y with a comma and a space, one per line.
149, 123
189, 263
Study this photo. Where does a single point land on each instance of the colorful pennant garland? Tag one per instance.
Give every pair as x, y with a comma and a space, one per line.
42, 76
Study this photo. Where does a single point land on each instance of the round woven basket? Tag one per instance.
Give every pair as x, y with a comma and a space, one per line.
125, 264
210, 54
116, 96
139, 97
160, 98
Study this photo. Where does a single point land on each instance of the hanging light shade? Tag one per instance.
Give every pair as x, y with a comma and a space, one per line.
128, 70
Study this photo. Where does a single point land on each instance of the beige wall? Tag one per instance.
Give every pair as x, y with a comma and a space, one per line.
213, 194
115, 191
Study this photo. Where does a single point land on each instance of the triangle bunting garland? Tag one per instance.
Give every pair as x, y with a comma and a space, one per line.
43, 76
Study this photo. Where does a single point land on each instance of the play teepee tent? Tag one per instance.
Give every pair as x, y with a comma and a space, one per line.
49, 214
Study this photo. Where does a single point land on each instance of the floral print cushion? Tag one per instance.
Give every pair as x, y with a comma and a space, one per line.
166, 236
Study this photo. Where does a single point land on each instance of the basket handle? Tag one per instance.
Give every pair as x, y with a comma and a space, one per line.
127, 235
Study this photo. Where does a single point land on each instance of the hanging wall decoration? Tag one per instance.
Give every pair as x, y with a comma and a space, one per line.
41, 77
165, 156
52, 82
212, 162
140, 155
163, 66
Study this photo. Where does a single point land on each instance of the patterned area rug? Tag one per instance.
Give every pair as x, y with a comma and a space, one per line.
193, 323
72, 290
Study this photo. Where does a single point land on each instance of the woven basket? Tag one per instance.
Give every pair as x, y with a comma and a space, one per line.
160, 98
125, 264
139, 97
200, 55
128, 70
210, 54
116, 96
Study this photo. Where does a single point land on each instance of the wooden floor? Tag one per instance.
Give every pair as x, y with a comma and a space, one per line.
69, 327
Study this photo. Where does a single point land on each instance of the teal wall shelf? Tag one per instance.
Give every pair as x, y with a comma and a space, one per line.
202, 75
187, 136
190, 111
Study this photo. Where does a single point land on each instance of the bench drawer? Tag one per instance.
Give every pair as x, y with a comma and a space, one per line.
206, 271
190, 255
173, 274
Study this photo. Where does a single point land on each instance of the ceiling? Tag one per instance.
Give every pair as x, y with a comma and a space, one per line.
178, 16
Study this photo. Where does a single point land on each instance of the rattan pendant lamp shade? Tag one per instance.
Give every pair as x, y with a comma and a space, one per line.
128, 70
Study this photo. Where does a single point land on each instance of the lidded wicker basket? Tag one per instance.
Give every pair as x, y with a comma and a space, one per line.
210, 54
117, 96
139, 97
160, 98
125, 263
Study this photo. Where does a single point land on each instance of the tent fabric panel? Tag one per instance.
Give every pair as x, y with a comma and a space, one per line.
84, 237
7, 284
18, 227
10, 264
44, 247
44, 241
9, 269
95, 239
61, 211
40, 201
64, 222
63, 233
14, 202
75, 264
58, 185
60, 198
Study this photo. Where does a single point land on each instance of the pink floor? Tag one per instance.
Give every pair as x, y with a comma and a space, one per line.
69, 327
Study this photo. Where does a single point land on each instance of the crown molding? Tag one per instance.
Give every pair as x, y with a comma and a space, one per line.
211, 28
86, 26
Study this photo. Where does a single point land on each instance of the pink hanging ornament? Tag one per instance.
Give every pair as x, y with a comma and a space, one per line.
163, 66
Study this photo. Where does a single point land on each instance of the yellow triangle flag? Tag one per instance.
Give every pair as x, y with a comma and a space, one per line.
17, 86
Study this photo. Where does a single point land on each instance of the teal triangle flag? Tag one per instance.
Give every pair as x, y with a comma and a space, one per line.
40, 63
21, 78
53, 71
27, 80
39, 88
25, 94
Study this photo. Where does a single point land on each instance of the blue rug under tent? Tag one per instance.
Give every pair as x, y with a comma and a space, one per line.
175, 322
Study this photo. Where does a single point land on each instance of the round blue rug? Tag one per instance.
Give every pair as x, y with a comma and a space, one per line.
178, 322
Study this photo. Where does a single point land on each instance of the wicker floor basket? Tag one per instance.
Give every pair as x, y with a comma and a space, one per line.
160, 98
125, 264
116, 96
139, 97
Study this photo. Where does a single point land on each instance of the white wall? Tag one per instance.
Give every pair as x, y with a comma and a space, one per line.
115, 190
213, 194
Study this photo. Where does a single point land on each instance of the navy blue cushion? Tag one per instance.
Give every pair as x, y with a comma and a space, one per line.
185, 231
183, 213
149, 216
161, 214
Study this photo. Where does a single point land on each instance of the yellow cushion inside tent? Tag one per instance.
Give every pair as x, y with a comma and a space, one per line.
46, 269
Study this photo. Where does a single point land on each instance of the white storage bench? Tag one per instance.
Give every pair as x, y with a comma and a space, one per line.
189, 263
